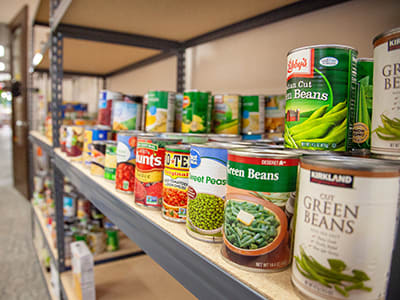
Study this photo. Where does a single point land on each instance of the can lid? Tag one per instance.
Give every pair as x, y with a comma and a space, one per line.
385, 34
129, 132
367, 59
111, 142
226, 94
99, 142
146, 134
185, 147
267, 153
196, 91
153, 91
353, 163
323, 46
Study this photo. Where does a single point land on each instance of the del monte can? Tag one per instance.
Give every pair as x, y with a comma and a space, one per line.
320, 97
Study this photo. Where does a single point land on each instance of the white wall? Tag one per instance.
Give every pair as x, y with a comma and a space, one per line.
255, 61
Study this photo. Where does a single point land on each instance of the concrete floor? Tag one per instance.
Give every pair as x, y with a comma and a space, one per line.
20, 274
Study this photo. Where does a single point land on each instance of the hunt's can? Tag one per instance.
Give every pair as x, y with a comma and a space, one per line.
178, 112
126, 161
214, 137
363, 110
98, 155
227, 114
320, 97
92, 134
187, 138
160, 111
106, 99
275, 115
175, 182
344, 204
126, 115
74, 142
110, 162
150, 157
196, 112
253, 114
385, 127
261, 191
207, 190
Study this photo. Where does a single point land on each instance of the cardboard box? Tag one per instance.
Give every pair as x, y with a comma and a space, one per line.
82, 269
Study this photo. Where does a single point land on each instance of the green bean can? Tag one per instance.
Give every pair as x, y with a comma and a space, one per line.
260, 197
345, 227
363, 109
253, 114
110, 161
320, 98
196, 112
160, 111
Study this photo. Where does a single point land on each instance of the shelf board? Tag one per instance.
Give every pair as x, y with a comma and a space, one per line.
198, 265
39, 139
138, 277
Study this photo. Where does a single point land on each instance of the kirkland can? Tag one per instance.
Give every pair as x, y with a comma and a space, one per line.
160, 111
275, 115
196, 112
98, 155
92, 134
126, 156
106, 99
213, 137
126, 115
345, 227
253, 114
207, 190
74, 142
150, 156
227, 114
320, 97
175, 182
187, 138
256, 228
178, 112
110, 162
363, 110
385, 127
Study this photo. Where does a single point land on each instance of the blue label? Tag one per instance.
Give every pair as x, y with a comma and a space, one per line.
68, 201
151, 200
194, 158
216, 154
252, 136
125, 152
103, 103
246, 114
99, 134
153, 110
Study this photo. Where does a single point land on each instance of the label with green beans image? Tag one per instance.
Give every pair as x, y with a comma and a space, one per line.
320, 98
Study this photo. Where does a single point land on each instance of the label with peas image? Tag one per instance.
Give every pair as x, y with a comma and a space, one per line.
206, 193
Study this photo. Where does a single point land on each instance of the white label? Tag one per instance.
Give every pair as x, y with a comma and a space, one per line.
347, 225
328, 61
123, 152
300, 63
385, 126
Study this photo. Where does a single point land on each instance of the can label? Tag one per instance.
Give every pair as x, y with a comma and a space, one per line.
110, 163
160, 111
227, 112
386, 106
74, 141
126, 160
363, 111
338, 212
206, 193
178, 112
175, 185
253, 115
91, 135
275, 114
320, 99
106, 99
126, 115
196, 112
260, 203
98, 154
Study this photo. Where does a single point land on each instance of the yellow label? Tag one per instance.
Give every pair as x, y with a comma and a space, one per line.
110, 161
176, 173
152, 176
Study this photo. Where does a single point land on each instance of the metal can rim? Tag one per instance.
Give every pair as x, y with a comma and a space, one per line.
267, 153
385, 34
177, 146
129, 132
111, 142
323, 46
367, 59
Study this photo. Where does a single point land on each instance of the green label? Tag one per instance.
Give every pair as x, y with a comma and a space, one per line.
250, 104
196, 112
320, 99
260, 178
158, 99
109, 173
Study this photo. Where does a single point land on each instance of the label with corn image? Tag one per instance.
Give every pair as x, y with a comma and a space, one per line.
160, 111
196, 112
320, 98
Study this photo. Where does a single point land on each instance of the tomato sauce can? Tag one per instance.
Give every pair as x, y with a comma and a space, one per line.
175, 182
385, 138
110, 162
74, 142
253, 114
346, 219
92, 134
106, 99
261, 189
160, 111
196, 112
126, 161
150, 157
98, 155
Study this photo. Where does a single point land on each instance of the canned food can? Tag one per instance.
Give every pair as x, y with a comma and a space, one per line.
196, 112
343, 204
92, 134
178, 112
261, 184
187, 138
112, 240
126, 115
224, 137
320, 97
160, 111
275, 114
144, 109
126, 161
98, 155
96, 242
74, 142
175, 182
110, 161
150, 156
63, 138
385, 138
227, 114
106, 99
253, 114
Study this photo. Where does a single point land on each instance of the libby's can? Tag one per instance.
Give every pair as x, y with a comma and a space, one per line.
227, 114
253, 114
160, 111
196, 112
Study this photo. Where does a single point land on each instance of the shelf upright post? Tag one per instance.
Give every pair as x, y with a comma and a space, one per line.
180, 84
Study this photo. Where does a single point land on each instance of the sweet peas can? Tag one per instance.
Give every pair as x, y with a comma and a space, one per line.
175, 182
150, 158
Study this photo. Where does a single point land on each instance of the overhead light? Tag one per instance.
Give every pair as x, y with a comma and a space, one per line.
37, 59
1, 51
2, 66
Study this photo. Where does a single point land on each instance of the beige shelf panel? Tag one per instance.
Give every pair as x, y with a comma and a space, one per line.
174, 19
270, 285
96, 57
41, 137
134, 278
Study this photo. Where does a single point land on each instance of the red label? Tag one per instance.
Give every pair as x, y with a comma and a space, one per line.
186, 101
149, 157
